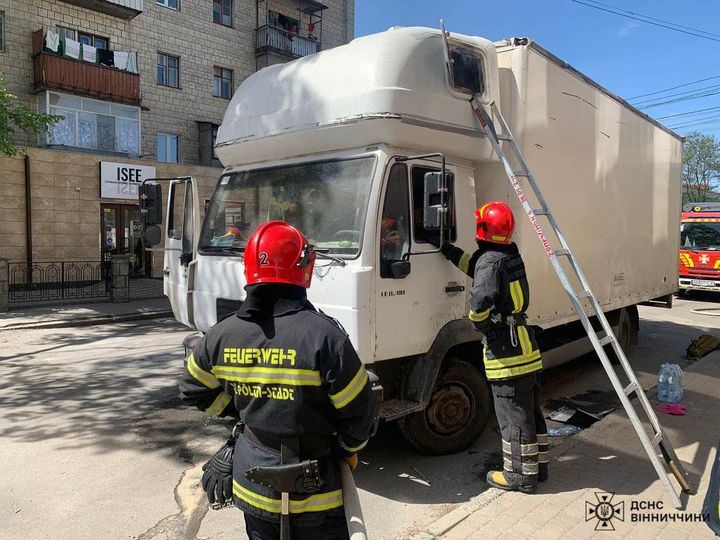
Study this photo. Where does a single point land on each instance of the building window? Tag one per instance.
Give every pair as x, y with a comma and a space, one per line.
222, 82
167, 148
222, 12
93, 124
2, 30
168, 70
84, 37
172, 4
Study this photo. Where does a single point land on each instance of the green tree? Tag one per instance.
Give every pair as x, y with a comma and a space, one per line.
14, 117
701, 167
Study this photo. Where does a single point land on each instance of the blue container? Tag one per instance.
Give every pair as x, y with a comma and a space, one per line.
675, 384
662, 384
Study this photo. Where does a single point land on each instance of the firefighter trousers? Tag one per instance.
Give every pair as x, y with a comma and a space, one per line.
333, 528
523, 430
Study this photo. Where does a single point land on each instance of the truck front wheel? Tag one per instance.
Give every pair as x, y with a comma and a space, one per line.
456, 415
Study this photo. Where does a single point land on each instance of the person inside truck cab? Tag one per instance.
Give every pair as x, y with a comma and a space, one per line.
499, 300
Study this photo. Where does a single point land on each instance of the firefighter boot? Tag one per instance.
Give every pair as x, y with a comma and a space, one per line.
497, 479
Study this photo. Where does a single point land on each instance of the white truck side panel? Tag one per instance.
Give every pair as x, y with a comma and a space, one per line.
612, 179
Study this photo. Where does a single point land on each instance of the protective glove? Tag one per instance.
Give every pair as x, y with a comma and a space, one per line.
446, 249
217, 479
352, 461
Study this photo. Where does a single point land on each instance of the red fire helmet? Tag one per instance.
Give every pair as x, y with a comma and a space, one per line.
495, 223
278, 253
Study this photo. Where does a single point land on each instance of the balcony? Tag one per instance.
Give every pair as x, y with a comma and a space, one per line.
123, 9
271, 39
56, 72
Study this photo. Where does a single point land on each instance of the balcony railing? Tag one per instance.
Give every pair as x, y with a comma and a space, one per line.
55, 72
123, 9
277, 40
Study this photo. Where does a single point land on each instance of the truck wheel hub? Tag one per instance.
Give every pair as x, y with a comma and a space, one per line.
449, 410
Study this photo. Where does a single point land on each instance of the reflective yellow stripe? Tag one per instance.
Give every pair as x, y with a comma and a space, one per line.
524, 338
199, 374
347, 394
313, 503
464, 263
500, 363
479, 317
499, 238
352, 448
218, 406
526, 468
517, 296
268, 375
482, 210
525, 449
542, 438
514, 371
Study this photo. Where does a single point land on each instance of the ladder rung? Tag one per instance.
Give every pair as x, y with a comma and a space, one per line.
540, 212
502, 137
561, 252
657, 439
521, 174
583, 294
630, 388
606, 340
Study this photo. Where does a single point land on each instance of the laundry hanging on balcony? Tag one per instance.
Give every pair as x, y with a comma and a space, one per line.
89, 53
72, 48
52, 41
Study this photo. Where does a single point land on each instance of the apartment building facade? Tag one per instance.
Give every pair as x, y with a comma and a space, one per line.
141, 86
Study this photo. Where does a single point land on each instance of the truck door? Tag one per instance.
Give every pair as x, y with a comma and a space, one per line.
411, 310
183, 228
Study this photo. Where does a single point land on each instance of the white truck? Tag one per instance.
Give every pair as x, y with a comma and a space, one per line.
334, 142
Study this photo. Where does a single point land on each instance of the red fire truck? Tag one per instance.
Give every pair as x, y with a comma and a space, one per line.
700, 247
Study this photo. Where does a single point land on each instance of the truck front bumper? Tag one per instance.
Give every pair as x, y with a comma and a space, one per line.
699, 283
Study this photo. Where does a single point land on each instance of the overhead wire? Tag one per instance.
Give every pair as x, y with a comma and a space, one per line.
646, 19
688, 113
654, 18
673, 88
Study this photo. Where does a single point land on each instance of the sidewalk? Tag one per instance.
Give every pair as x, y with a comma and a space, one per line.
71, 315
607, 458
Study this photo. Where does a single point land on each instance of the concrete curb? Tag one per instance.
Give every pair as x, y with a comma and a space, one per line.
90, 321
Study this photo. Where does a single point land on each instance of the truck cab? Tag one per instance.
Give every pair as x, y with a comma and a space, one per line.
699, 266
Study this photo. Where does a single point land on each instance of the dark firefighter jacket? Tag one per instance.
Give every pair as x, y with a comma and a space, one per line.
287, 371
500, 290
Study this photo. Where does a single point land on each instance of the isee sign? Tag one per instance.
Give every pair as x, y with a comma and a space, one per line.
121, 180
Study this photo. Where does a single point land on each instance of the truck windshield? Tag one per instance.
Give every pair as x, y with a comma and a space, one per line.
700, 236
325, 200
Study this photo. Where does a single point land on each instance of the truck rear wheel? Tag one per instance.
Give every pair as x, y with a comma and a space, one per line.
456, 415
627, 332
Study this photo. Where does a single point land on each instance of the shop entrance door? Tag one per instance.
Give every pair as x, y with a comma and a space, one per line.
121, 227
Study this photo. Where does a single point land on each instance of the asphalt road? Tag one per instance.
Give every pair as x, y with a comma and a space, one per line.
94, 443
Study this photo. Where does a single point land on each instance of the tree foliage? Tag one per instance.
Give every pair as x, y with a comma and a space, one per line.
701, 167
15, 117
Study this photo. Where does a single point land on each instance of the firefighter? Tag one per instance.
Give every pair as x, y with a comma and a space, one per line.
292, 376
498, 302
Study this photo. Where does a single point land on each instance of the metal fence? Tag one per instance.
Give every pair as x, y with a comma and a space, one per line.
277, 39
47, 281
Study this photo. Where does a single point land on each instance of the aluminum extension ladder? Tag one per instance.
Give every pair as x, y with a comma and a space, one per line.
653, 442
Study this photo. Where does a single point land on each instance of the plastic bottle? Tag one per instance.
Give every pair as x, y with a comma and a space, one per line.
675, 389
563, 431
662, 384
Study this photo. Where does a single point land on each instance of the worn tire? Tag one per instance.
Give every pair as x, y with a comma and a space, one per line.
626, 333
461, 397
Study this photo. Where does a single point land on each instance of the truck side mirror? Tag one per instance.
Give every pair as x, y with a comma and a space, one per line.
150, 203
433, 211
151, 235
400, 269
